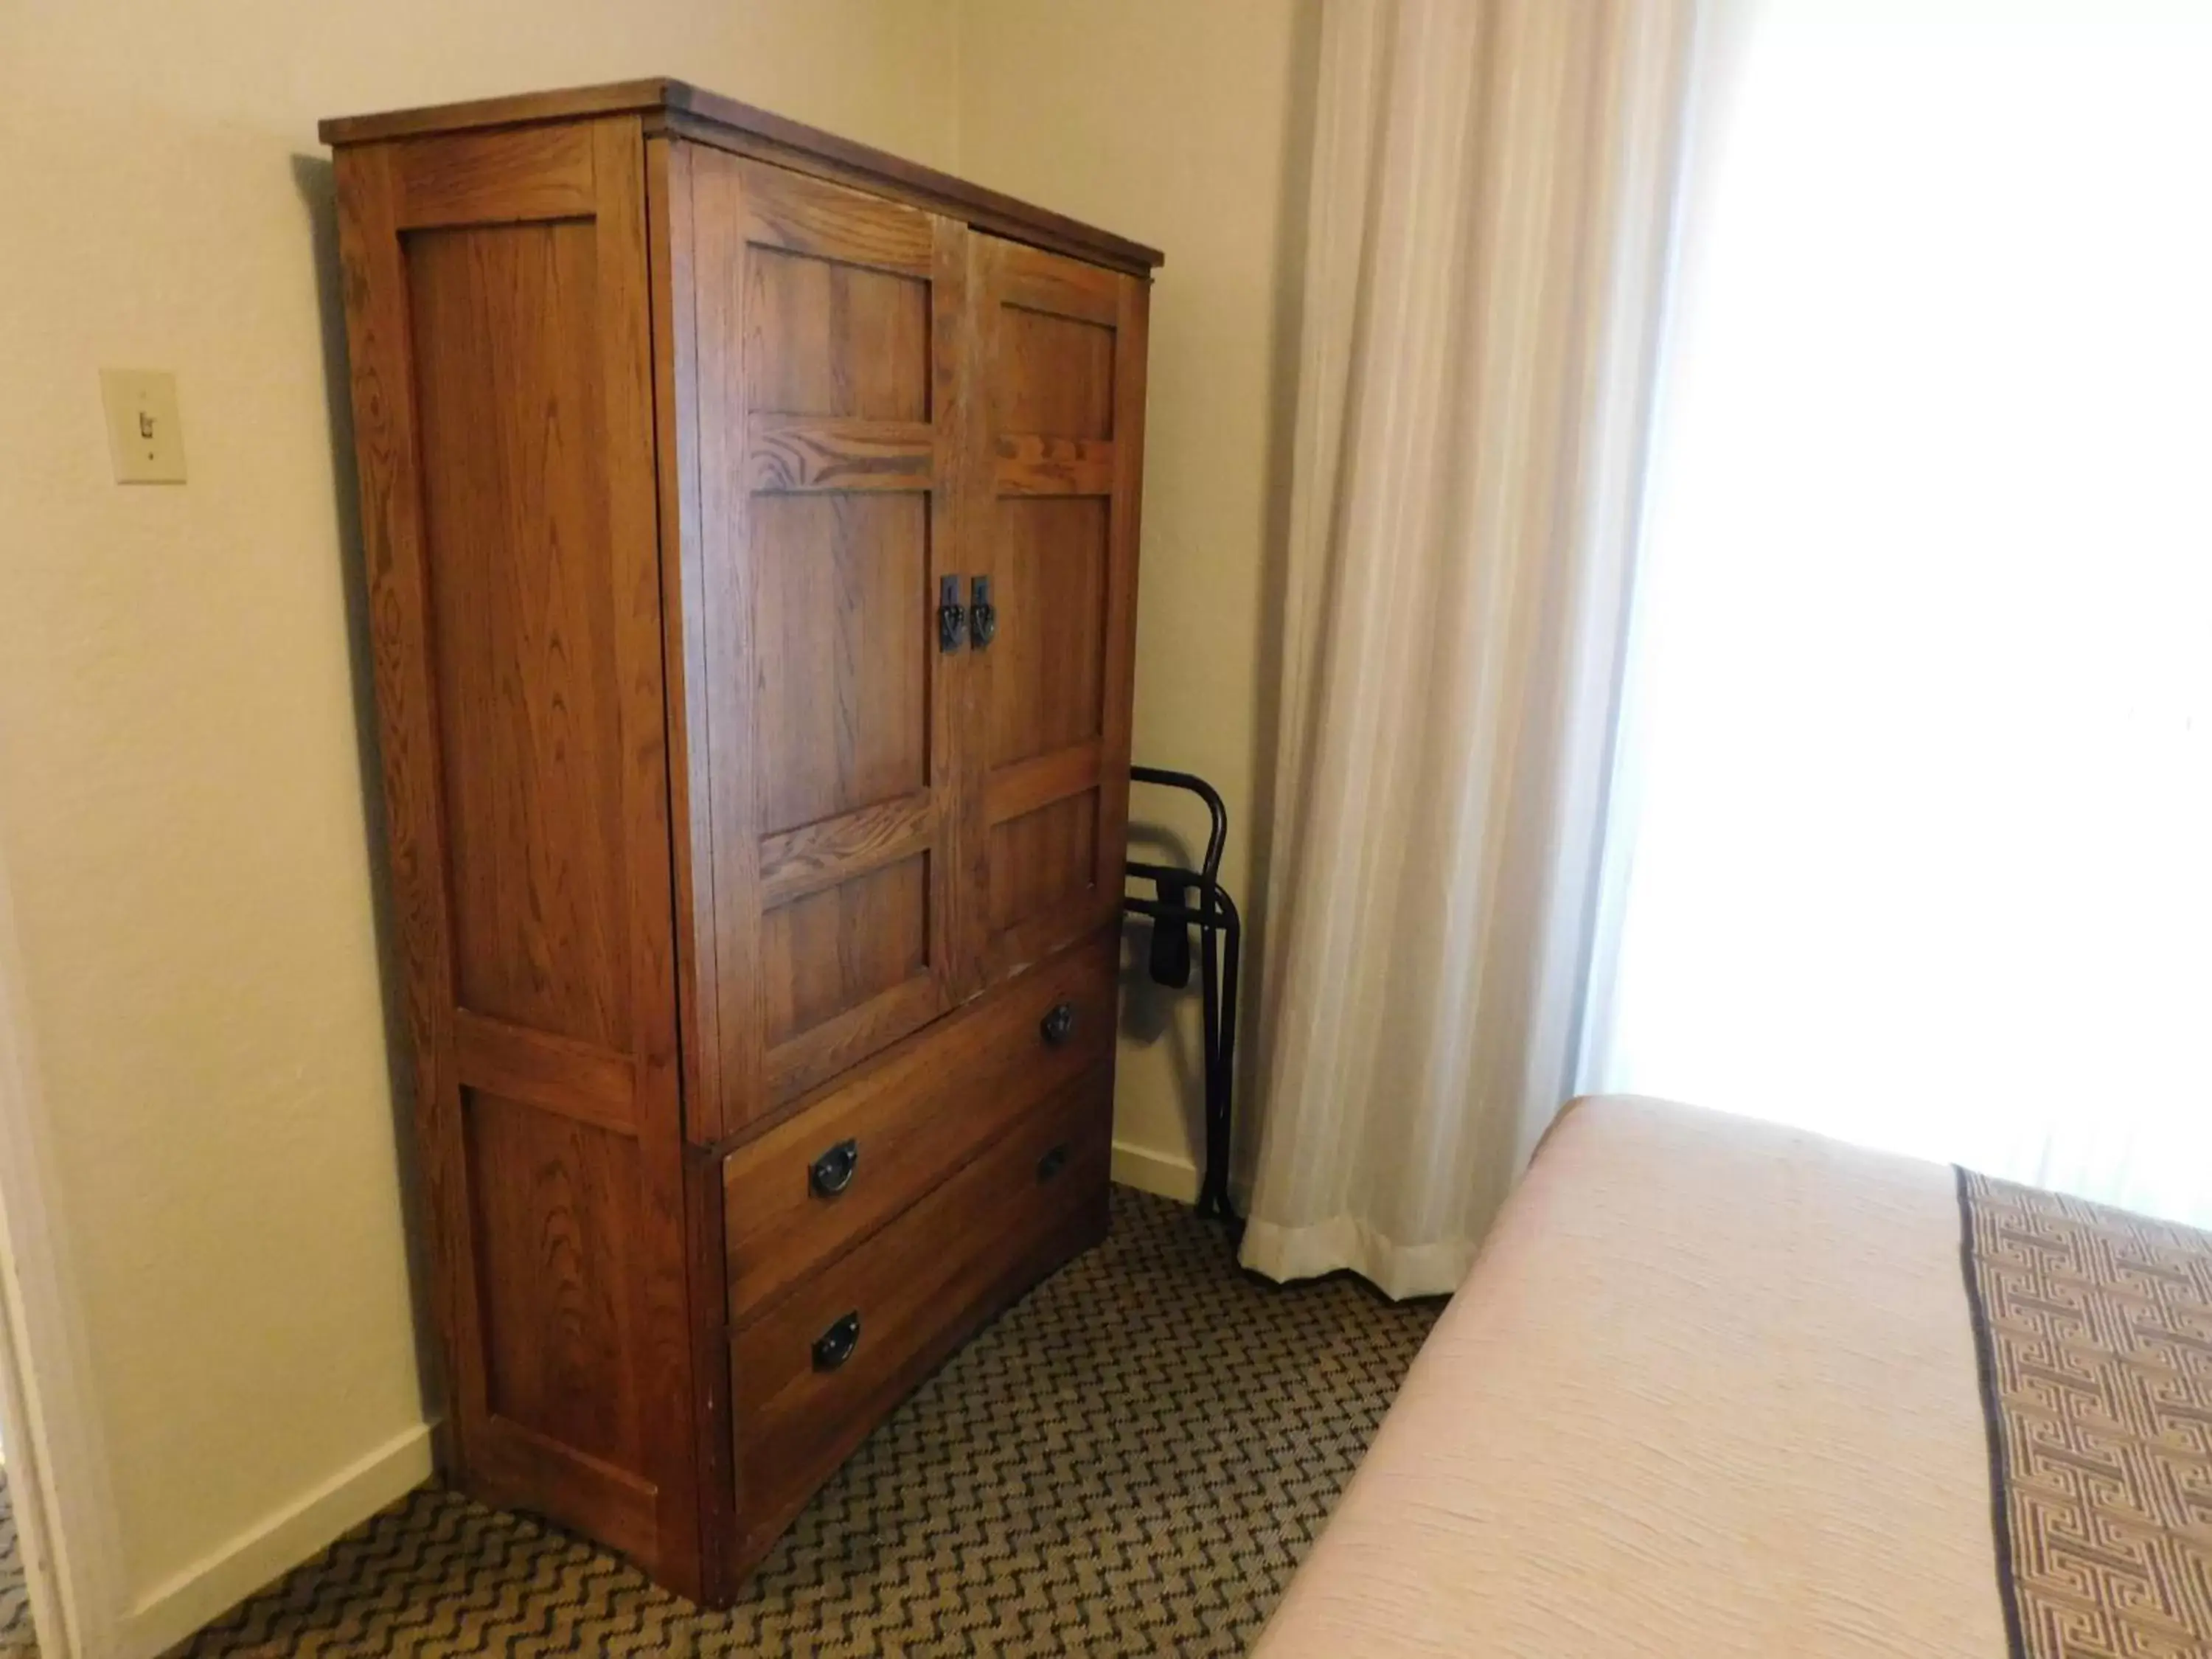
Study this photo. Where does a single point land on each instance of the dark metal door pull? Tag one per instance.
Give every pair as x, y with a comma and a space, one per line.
982, 614
832, 1172
835, 1346
1058, 1026
951, 615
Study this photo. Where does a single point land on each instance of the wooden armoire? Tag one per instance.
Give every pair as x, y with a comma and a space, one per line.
750, 529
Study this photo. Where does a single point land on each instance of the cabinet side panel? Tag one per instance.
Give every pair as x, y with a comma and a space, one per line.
379, 372
500, 315
561, 1218
522, 589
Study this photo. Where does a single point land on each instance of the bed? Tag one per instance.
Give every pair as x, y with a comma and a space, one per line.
1718, 1388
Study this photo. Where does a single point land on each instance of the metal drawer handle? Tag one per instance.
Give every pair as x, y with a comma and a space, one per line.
835, 1346
1052, 1163
832, 1172
1058, 1025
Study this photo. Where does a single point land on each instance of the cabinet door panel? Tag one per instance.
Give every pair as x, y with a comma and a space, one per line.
1049, 558
827, 325
827, 337
844, 664
1056, 424
1044, 860
838, 947
1054, 376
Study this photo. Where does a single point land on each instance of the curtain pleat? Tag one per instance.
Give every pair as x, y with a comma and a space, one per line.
1492, 182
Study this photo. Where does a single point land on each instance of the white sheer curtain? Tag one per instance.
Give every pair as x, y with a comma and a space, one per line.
1912, 841
1491, 182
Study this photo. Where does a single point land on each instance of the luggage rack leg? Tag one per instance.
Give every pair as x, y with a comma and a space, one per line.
1220, 930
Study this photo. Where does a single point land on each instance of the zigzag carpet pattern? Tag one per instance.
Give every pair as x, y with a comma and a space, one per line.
1130, 1461
17, 1639
2098, 1333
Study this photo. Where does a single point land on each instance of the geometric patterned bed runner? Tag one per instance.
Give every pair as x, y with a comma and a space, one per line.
2093, 1329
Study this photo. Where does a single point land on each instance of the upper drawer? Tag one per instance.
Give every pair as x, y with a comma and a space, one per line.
870, 1146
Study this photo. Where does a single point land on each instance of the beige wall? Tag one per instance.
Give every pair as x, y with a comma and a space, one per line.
181, 800
182, 808
1183, 126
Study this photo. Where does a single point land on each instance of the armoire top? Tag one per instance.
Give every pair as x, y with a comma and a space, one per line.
687, 112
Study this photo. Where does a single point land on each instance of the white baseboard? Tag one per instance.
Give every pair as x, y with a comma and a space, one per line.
171, 1611
1168, 1174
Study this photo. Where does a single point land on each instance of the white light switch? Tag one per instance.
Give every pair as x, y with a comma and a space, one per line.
144, 435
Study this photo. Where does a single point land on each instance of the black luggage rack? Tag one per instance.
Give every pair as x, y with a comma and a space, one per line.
1220, 932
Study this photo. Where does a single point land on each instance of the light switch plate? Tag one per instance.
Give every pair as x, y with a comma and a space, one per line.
145, 438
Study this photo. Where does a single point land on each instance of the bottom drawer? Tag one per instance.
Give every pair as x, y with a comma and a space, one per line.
815, 1373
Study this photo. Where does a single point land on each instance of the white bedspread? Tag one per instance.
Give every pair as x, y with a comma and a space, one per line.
1709, 1392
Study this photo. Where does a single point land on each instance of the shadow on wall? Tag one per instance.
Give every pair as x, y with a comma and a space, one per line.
315, 178
1149, 1010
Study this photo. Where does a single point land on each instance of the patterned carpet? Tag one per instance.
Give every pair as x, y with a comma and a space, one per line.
1131, 1461
17, 1639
